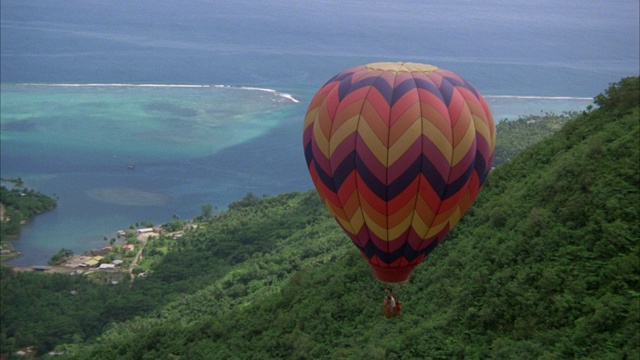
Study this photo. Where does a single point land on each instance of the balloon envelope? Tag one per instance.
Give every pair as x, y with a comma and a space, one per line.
398, 152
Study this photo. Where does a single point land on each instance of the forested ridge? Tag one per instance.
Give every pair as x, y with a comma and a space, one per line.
545, 265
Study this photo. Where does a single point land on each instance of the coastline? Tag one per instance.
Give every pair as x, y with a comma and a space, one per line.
7, 252
18, 205
119, 259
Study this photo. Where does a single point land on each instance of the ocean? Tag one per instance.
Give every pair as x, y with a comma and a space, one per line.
131, 111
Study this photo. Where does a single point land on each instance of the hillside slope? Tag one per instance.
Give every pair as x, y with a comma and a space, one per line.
513, 136
545, 265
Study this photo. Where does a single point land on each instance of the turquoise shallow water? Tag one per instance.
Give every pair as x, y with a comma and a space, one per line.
117, 155
135, 123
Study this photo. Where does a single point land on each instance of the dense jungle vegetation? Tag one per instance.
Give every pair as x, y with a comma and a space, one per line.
543, 266
513, 136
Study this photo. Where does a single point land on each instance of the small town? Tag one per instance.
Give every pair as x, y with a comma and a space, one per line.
120, 257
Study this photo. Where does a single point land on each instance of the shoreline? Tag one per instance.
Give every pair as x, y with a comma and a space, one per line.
127, 257
8, 253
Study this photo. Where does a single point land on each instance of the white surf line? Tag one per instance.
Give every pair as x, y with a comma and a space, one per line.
532, 97
275, 92
250, 88
115, 85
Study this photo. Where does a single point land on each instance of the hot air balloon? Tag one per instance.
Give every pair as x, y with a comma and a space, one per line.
397, 153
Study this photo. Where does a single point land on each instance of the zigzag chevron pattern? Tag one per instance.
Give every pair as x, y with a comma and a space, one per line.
398, 152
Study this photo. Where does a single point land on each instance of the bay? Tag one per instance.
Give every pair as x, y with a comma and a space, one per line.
117, 155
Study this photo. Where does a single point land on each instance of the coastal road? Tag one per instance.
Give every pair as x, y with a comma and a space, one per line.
61, 269
142, 238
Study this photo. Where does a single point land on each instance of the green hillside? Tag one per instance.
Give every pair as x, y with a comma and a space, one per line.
545, 265
513, 136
